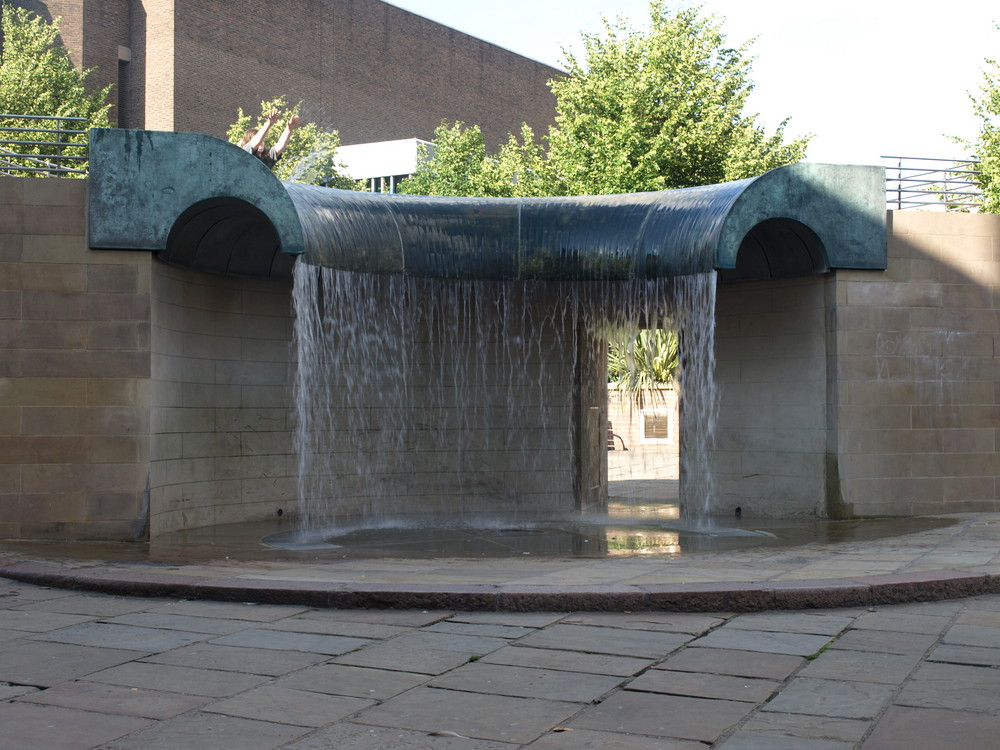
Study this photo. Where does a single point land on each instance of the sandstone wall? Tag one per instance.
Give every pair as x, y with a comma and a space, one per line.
74, 371
917, 370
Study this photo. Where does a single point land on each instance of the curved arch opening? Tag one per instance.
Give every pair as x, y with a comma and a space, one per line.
227, 236
778, 249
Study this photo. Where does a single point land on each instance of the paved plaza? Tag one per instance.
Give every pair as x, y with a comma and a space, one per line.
84, 670
200, 657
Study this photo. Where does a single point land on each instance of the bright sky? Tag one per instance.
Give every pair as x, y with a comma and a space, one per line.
868, 78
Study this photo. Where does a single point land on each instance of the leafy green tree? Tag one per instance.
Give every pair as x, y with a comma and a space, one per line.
311, 154
637, 112
37, 78
987, 144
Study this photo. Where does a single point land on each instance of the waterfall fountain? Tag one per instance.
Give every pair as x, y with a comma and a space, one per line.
453, 351
388, 364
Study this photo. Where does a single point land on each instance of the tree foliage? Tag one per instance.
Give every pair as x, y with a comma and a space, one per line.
638, 111
987, 144
37, 78
640, 363
311, 154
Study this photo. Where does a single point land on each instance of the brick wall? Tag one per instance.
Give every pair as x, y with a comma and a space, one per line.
369, 69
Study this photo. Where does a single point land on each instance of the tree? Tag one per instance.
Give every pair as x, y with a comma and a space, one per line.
639, 111
37, 78
638, 363
310, 156
987, 144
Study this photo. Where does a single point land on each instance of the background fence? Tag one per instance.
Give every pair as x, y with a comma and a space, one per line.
932, 184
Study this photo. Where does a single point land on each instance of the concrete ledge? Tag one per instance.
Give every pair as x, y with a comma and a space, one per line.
146, 581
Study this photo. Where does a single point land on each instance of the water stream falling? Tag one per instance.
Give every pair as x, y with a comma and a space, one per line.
422, 400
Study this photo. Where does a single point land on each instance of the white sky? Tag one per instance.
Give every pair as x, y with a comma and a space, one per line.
868, 78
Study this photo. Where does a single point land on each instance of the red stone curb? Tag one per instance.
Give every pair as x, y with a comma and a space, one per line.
686, 597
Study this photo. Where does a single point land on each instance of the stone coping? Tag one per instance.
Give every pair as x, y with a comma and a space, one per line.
949, 562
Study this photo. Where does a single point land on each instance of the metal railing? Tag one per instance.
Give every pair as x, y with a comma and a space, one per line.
932, 184
43, 146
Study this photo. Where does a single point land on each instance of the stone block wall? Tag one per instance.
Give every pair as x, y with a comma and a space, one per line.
771, 369
917, 370
220, 400
74, 371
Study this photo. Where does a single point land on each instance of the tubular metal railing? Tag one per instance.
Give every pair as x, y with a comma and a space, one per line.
932, 184
42, 145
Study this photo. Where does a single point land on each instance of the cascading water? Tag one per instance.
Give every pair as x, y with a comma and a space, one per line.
423, 398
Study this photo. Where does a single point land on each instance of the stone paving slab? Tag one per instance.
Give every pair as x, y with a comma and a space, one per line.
25, 725
589, 739
348, 736
672, 694
490, 717
359, 682
113, 699
47, 664
768, 642
527, 682
953, 686
568, 661
203, 731
700, 685
126, 637
799, 726
600, 640
931, 729
281, 640
733, 662
890, 669
663, 716
283, 705
836, 698
389, 655
260, 661
185, 680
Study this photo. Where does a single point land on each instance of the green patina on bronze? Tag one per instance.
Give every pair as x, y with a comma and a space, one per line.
203, 202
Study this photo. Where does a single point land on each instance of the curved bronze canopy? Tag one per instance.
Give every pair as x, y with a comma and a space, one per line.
202, 202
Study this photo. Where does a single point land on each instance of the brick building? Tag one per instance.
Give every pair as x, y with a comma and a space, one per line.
371, 70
